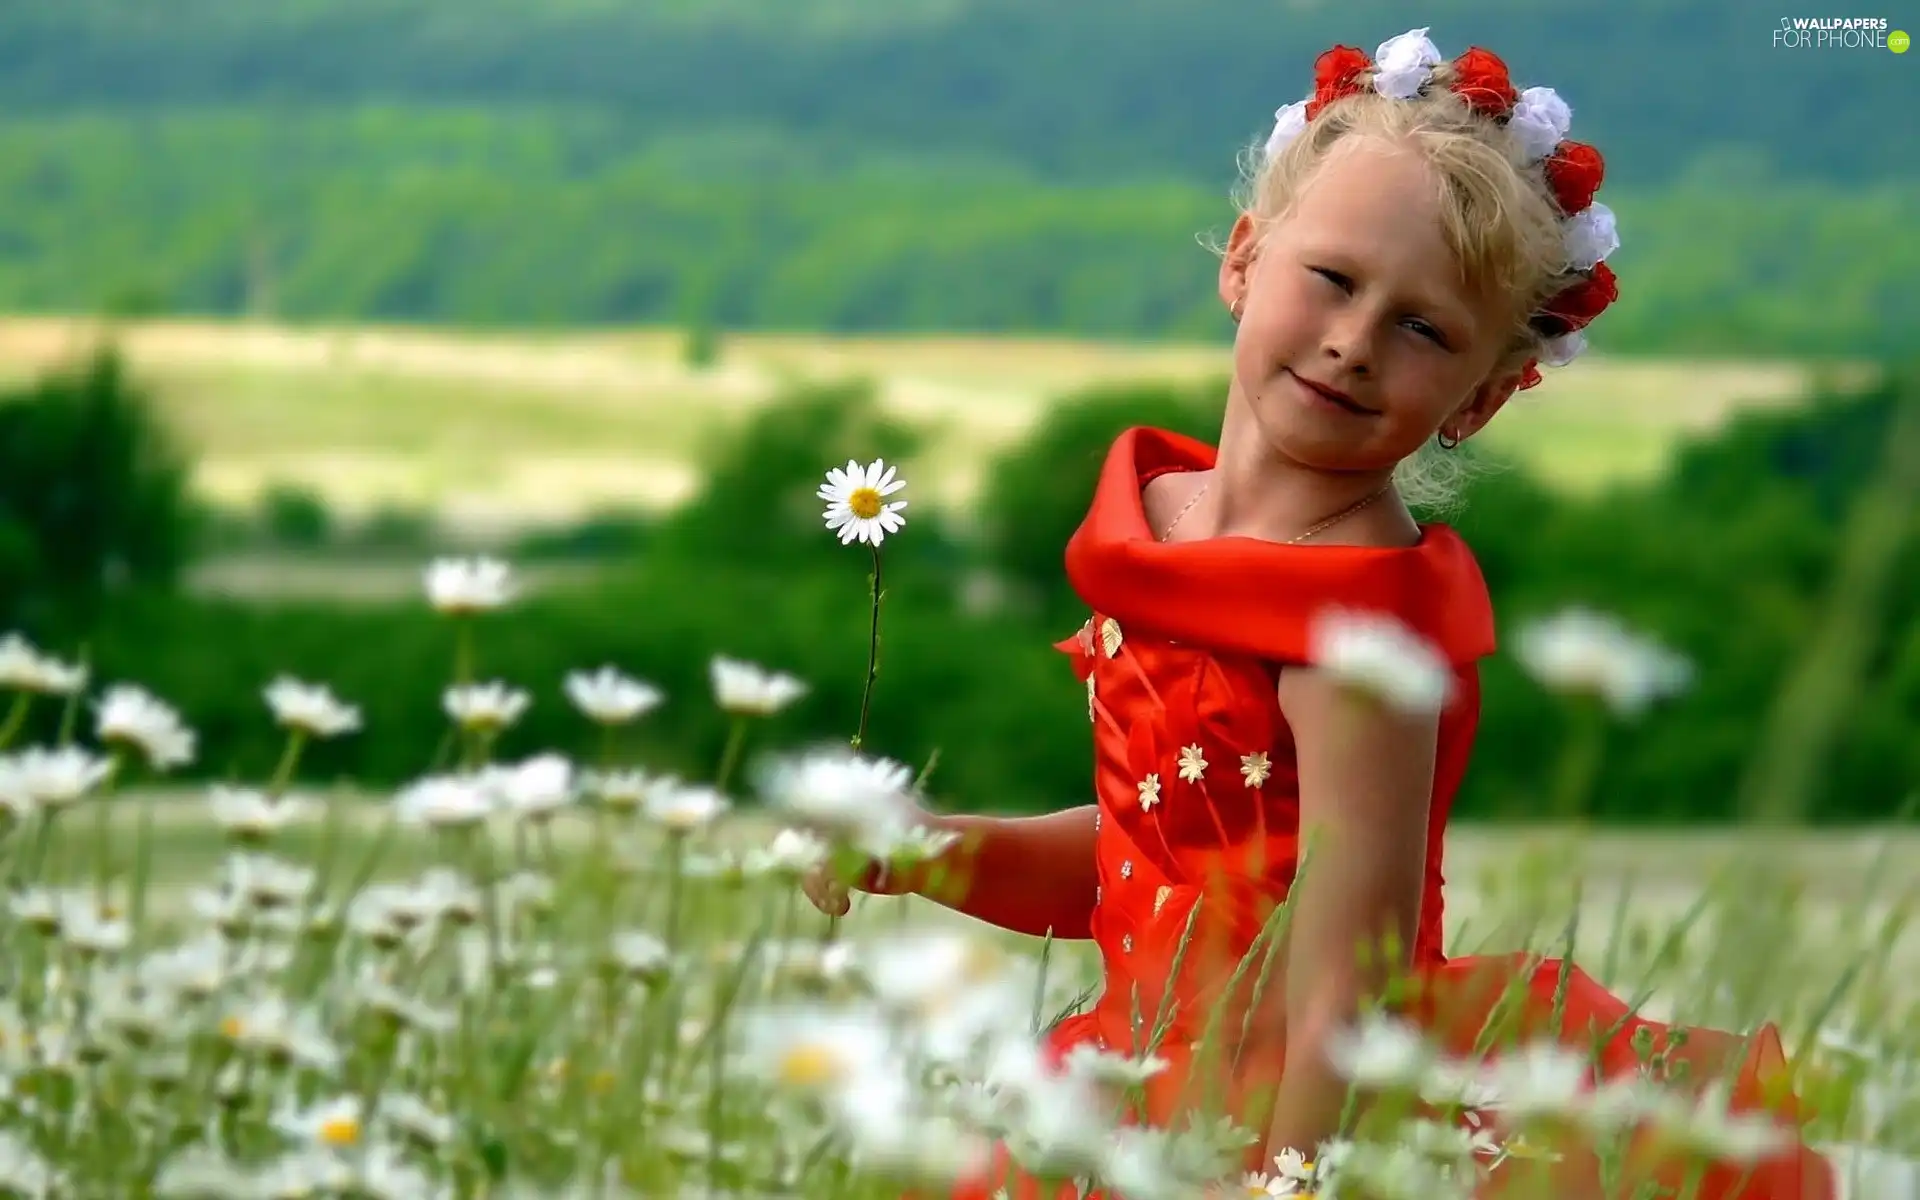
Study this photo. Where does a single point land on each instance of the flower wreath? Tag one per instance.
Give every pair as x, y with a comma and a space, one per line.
1538, 118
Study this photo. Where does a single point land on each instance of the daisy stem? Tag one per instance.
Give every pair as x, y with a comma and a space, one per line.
463, 667
730, 757
70, 711
103, 827
873, 650
289, 759
16, 718
1580, 763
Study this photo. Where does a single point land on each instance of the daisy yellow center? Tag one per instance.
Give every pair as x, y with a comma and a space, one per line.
864, 503
808, 1066
232, 1027
340, 1131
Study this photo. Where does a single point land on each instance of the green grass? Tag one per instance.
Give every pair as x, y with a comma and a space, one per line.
546, 1077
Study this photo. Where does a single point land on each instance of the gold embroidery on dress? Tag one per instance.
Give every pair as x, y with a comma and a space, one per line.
1110, 637
1193, 763
1255, 768
1149, 792
1160, 899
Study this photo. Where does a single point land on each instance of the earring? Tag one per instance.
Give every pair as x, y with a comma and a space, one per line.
1445, 442
1236, 308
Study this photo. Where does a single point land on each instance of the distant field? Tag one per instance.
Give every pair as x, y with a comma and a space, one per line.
507, 429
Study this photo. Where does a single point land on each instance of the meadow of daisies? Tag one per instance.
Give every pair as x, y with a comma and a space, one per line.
549, 978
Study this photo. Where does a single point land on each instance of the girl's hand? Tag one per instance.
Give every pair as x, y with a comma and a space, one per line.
831, 894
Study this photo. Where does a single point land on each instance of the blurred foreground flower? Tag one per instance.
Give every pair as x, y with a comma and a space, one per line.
856, 506
24, 669
1582, 652
487, 707
749, 690
251, 815
859, 804
459, 586
132, 716
610, 698
311, 708
37, 777
1378, 656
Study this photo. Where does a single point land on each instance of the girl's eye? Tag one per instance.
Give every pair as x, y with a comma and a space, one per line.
1423, 328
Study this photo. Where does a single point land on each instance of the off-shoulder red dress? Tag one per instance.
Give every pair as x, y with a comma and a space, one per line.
1198, 793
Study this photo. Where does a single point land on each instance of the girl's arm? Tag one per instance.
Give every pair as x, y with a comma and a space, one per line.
1026, 874
1366, 785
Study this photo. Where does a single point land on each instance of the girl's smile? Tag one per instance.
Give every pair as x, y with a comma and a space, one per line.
1322, 397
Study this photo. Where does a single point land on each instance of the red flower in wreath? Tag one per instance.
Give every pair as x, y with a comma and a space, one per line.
1336, 74
1575, 307
1574, 172
1480, 78
1529, 375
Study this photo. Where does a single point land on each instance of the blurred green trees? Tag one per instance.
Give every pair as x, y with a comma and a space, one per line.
93, 496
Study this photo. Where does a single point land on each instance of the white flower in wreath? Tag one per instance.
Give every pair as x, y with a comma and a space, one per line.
1288, 123
1560, 351
1590, 236
1402, 65
1540, 120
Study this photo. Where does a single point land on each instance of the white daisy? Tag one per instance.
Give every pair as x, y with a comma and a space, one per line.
640, 954
489, 706
252, 815
52, 778
335, 1124
417, 1120
856, 507
611, 698
25, 669
444, 801
267, 882
1378, 656
1381, 1053
747, 689
131, 715
1580, 651
458, 586
533, 790
685, 808
840, 792
622, 790
312, 708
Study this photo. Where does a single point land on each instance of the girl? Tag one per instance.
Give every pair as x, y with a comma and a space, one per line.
1416, 236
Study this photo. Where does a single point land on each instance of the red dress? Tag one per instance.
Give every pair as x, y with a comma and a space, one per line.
1197, 790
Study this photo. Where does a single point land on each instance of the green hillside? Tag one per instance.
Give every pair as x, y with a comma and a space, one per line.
1094, 89
978, 165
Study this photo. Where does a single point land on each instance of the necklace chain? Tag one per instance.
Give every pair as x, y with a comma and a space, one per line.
1319, 527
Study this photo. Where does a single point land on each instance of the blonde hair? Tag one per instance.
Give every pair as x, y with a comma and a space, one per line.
1498, 217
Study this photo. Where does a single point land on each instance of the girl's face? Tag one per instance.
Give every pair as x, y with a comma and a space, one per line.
1358, 340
